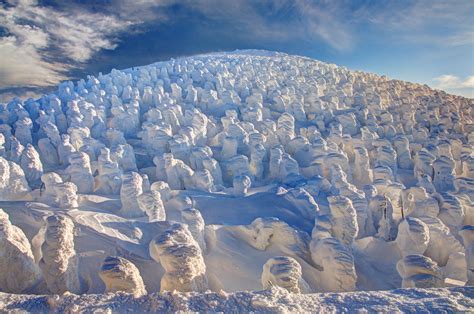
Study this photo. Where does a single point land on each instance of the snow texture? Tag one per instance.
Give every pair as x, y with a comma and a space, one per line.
275, 300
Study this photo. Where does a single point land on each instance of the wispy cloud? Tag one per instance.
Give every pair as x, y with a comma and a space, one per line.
21, 62
449, 81
455, 85
43, 43
434, 22
324, 22
329, 21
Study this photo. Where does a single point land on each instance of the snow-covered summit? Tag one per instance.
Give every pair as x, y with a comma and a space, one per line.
248, 168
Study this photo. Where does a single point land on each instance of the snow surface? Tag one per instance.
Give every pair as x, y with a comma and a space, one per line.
236, 172
275, 300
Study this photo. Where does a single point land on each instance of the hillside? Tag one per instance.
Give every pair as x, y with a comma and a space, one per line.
238, 171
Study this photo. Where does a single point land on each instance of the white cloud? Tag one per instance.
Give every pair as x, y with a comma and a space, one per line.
455, 85
20, 59
449, 81
22, 65
328, 21
469, 82
38, 35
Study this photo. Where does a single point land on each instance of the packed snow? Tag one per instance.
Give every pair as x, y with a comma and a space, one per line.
273, 300
242, 171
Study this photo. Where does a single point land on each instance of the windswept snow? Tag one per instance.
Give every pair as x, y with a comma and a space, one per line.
236, 172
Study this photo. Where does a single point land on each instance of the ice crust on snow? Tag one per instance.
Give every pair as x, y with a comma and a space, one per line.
201, 172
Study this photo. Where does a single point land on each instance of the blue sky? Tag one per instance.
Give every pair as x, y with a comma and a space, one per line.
45, 42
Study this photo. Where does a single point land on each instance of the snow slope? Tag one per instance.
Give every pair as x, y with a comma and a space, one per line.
196, 172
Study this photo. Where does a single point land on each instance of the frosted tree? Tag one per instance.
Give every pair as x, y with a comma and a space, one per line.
119, 274
108, 180
129, 192
59, 262
181, 257
32, 166
413, 236
80, 172
23, 131
151, 204
467, 233
344, 219
418, 271
66, 195
337, 264
285, 272
13, 184
193, 218
19, 271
